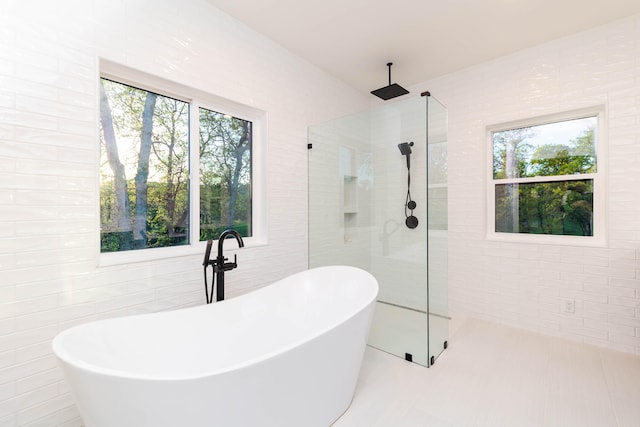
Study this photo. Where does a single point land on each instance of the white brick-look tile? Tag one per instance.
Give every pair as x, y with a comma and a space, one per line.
48, 131
525, 285
49, 274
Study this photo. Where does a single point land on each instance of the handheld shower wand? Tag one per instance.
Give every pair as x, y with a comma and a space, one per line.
405, 150
410, 220
207, 262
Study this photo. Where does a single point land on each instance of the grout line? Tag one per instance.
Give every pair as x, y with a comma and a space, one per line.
612, 403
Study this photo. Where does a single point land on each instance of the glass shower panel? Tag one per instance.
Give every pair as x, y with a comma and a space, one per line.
398, 253
340, 183
437, 195
360, 184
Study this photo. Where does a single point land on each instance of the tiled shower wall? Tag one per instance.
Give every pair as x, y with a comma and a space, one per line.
339, 216
398, 253
525, 285
377, 238
49, 223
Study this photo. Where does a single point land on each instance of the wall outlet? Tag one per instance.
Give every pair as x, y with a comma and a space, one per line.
569, 306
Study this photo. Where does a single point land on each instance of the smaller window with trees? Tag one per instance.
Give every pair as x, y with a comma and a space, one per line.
225, 174
547, 176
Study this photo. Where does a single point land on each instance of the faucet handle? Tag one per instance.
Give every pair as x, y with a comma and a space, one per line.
226, 266
233, 264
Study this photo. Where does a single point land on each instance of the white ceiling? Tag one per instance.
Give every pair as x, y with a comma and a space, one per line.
354, 39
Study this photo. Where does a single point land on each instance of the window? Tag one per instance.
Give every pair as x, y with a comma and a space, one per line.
225, 174
547, 176
154, 146
144, 169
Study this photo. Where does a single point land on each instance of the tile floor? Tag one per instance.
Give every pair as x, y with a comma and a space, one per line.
492, 375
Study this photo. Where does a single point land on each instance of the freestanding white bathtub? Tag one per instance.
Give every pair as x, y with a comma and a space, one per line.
288, 354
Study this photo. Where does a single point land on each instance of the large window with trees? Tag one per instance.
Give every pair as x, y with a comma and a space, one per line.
144, 169
154, 148
547, 176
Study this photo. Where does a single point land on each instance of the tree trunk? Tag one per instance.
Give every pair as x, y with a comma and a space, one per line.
243, 145
123, 222
170, 196
140, 219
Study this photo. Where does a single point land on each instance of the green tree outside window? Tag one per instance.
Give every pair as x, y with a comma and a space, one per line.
542, 180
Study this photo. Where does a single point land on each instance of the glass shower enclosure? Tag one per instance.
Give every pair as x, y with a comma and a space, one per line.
378, 201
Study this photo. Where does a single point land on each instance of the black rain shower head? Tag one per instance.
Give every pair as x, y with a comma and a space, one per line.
391, 91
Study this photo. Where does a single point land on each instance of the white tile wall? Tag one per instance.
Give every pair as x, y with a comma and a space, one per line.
49, 279
525, 285
48, 217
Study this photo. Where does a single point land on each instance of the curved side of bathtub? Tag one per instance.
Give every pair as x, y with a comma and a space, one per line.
311, 384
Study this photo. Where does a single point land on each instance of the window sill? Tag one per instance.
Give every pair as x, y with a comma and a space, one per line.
156, 254
544, 239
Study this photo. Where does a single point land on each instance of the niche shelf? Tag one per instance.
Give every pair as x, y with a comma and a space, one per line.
350, 204
350, 207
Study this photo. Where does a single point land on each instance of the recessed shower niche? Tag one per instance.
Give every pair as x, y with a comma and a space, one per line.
358, 215
349, 192
350, 208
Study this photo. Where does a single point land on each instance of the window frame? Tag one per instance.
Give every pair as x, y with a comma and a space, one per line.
197, 99
599, 180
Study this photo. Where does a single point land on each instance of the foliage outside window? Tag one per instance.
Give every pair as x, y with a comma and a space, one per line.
225, 174
544, 177
146, 145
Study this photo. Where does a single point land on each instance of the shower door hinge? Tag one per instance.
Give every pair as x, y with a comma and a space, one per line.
309, 146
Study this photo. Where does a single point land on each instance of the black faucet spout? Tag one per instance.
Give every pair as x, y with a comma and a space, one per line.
227, 233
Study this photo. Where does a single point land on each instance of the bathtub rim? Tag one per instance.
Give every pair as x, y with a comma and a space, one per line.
64, 356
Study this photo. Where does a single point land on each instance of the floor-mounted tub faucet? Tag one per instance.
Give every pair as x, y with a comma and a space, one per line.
220, 265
